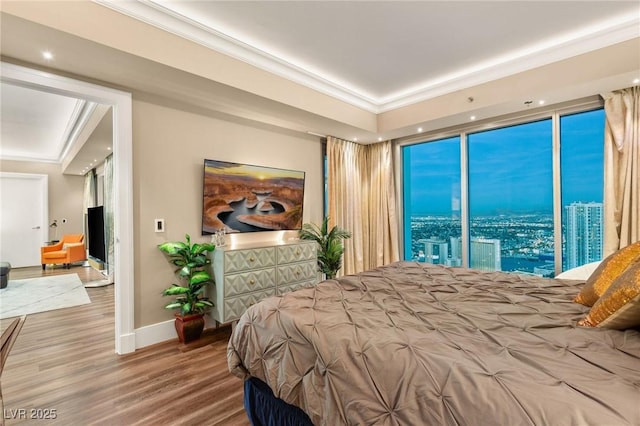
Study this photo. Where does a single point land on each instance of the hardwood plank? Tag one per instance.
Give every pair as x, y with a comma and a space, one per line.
64, 360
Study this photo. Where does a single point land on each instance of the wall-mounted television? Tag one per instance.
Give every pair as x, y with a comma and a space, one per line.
247, 198
95, 230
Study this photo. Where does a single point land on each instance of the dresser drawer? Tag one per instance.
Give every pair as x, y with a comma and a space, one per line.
246, 274
296, 253
246, 282
295, 272
296, 286
243, 260
234, 307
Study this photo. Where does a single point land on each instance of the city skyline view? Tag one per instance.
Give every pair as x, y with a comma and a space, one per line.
510, 194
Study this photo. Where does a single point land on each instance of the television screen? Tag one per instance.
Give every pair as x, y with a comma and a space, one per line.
95, 228
246, 198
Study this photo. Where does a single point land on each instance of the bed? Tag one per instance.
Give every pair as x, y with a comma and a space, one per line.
413, 343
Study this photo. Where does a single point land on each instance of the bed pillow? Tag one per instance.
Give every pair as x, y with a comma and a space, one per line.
604, 275
619, 306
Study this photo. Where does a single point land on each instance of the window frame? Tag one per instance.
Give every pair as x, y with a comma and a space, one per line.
553, 112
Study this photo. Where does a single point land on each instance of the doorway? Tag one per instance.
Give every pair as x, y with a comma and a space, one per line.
122, 180
23, 230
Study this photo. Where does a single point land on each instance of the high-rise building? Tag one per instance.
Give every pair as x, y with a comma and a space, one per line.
436, 251
583, 233
485, 254
456, 252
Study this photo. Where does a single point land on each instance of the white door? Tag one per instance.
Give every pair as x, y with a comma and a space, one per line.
23, 218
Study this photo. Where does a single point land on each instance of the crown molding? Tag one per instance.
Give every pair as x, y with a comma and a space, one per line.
607, 33
78, 117
160, 17
603, 34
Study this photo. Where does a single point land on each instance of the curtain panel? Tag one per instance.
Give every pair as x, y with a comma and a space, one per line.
361, 192
621, 169
109, 213
89, 193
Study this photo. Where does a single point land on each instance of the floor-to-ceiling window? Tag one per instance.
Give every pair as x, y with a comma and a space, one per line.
581, 156
432, 202
511, 198
506, 182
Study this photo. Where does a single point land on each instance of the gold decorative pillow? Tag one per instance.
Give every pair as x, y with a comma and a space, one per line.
604, 275
619, 306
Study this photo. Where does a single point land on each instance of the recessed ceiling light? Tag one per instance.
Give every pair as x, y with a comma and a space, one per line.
541, 102
636, 81
47, 55
379, 139
355, 139
419, 129
108, 148
473, 117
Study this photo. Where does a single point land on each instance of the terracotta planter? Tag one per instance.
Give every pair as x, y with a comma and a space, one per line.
189, 327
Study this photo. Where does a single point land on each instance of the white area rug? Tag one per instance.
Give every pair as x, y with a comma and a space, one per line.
34, 295
98, 283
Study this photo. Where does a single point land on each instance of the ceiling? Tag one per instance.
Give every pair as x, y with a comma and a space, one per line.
33, 120
376, 55
383, 54
52, 128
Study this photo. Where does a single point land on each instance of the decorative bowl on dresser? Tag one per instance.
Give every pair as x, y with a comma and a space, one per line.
246, 274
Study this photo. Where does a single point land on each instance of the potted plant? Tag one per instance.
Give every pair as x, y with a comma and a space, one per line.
330, 248
189, 299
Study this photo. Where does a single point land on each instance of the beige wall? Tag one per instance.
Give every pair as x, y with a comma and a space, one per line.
169, 146
65, 193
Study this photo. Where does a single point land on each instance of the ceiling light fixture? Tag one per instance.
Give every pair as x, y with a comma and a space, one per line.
636, 81
419, 129
473, 117
541, 102
379, 139
47, 55
355, 139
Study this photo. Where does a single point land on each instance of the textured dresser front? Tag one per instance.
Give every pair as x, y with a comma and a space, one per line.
297, 267
244, 276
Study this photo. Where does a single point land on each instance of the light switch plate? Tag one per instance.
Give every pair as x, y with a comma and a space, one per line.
159, 225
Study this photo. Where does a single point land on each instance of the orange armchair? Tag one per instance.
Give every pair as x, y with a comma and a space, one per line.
70, 249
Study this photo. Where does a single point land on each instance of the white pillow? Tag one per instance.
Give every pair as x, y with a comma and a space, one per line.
579, 273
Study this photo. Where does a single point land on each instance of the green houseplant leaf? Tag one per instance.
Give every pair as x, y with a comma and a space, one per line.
330, 248
192, 261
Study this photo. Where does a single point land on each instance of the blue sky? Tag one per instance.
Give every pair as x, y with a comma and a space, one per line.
510, 169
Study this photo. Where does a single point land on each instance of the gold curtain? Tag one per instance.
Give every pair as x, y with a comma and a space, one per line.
361, 192
621, 169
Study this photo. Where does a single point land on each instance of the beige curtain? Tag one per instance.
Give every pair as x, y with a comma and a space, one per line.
362, 200
109, 207
621, 169
89, 194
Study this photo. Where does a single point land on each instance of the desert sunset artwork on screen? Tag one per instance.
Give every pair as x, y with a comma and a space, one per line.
247, 198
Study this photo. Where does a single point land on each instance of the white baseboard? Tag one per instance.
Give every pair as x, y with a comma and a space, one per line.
127, 343
156, 333
161, 332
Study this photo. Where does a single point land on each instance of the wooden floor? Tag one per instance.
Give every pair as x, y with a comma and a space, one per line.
63, 365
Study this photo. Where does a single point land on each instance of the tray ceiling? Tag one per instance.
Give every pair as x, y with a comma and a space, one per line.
376, 55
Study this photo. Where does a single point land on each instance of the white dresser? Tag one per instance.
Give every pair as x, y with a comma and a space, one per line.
246, 274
